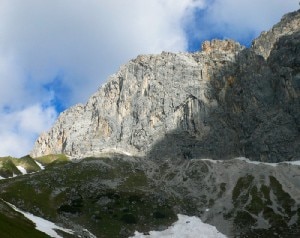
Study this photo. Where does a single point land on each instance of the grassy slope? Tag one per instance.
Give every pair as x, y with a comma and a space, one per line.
113, 197
80, 192
14, 224
8, 165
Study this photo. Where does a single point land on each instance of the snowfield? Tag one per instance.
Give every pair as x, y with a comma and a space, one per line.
22, 169
185, 227
42, 167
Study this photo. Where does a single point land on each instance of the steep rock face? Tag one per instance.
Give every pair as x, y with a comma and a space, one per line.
287, 26
149, 97
222, 102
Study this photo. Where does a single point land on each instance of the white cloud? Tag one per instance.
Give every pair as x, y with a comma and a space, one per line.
242, 19
34, 119
18, 129
88, 40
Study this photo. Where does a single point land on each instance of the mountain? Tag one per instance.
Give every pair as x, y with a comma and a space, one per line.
222, 102
212, 134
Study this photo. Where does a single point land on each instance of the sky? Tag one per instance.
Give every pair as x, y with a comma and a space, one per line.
56, 53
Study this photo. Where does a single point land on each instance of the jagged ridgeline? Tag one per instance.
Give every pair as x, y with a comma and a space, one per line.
219, 103
162, 138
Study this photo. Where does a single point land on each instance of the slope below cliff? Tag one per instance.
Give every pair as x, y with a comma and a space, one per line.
222, 102
114, 196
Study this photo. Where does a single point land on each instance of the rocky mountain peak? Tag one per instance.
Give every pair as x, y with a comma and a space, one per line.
220, 45
222, 102
289, 24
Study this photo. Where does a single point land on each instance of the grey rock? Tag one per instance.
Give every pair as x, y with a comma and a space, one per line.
264, 44
222, 102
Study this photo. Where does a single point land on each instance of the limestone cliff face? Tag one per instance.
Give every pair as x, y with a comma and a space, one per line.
221, 102
149, 97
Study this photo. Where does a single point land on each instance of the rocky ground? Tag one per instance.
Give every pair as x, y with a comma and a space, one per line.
114, 196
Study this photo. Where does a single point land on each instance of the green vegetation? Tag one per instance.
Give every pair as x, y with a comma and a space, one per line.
18, 228
113, 197
52, 159
250, 201
28, 163
243, 219
135, 179
8, 167
14, 224
79, 192
240, 193
256, 205
283, 198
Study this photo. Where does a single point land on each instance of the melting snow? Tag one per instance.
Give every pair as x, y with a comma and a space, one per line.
22, 169
90, 235
188, 227
42, 167
42, 224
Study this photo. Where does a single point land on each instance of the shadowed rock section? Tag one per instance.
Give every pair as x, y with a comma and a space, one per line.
221, 102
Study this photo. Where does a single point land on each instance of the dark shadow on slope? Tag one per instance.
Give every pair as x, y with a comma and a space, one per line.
258, 112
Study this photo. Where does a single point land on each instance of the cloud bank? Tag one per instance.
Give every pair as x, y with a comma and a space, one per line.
55, 53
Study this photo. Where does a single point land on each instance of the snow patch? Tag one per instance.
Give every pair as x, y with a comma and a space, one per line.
292, 162
297, 163
22, 169
42, 224
187, 227
256, 162
42, 167
116, 150
212, 161
90, 235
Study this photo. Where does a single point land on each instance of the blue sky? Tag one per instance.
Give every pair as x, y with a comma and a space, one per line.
56, 53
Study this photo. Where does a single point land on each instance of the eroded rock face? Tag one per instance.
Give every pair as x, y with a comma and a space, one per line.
288, 25
222, 102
